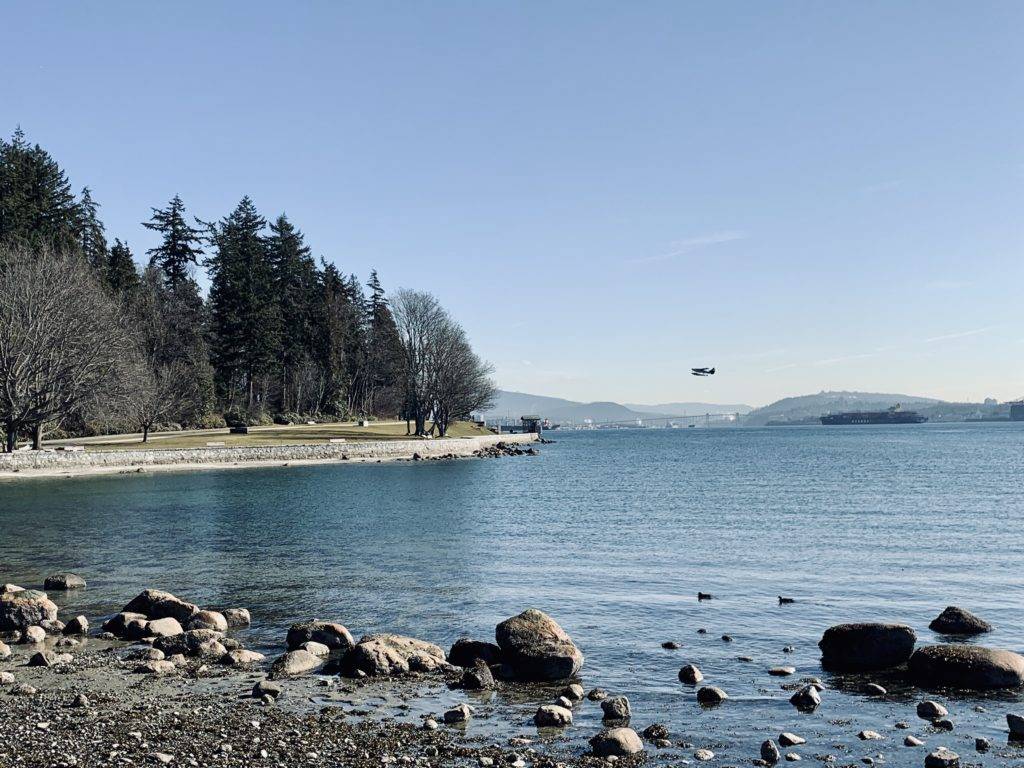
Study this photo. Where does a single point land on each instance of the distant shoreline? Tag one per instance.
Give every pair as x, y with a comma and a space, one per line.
35, 464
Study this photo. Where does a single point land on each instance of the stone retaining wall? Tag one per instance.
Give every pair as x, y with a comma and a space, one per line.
375, 449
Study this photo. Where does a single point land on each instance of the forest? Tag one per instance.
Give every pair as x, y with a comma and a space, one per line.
95, 339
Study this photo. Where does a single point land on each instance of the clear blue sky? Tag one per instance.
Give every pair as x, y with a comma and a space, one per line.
808, 195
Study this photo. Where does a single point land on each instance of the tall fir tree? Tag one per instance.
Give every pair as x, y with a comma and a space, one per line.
295, 286
92, 240
384, 354
37, 206
245, 323
180, 245
120, 274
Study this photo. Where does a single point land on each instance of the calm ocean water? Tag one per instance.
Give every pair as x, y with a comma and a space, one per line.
613, 533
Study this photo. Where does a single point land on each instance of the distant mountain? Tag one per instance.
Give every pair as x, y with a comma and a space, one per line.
809, 407
691, 408
515, 404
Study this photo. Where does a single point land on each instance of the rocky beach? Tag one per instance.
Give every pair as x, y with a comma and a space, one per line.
166, 681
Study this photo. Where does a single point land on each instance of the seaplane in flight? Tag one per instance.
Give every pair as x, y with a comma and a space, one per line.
702, 371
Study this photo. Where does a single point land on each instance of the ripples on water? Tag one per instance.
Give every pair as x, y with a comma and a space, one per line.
613, 533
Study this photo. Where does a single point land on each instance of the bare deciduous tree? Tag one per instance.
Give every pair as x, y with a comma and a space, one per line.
62, 339
444, 378
157, 394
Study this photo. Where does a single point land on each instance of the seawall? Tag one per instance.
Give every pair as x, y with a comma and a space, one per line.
60, 463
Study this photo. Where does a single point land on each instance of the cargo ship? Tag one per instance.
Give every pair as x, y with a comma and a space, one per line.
891, 416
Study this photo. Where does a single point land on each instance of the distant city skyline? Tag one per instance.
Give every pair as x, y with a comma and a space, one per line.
806, 196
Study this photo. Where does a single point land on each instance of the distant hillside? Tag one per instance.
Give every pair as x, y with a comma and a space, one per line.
691, 408
805, 407
516, 404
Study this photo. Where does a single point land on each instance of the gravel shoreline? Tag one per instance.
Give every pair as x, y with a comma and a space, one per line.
206, 715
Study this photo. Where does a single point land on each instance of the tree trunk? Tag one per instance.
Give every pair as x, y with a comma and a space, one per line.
12, 438
37, 437
145, 433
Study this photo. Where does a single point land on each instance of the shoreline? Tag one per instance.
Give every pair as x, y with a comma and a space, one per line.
59, 464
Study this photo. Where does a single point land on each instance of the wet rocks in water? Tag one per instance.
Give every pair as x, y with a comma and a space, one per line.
869, 736
388, 655
982, 744
332, 634
77, 626
787, 739
597, 694
1016, 725
458, 714
573, 692
912, 741
868, 646
726, 638
63, 581
703, 755
670, 645
710, 695
465, 652
806, 699
966, 666
957, 621
209, 620
237, 618
782, 671
655, 732
535, 647
931, 710
21, 610
616, 708
942, 758
157, 604
477, 677
943, 724
769, 752
616, 742
690, 674
874, 689
552, 716
294, 663
317, 649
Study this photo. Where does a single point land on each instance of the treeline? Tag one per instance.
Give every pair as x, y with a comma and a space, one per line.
89, 343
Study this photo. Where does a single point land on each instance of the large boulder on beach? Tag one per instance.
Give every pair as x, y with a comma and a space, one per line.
617, 742
958, 621
21, 610
552, 716
388, 655
208, 620
187, 643
157, 604
867, 646
165, 627
335, 636
118, 623
294, 663
535, 647
59, 582
77, 626
466, 652
966, 666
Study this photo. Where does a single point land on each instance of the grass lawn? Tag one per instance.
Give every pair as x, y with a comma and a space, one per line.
296, 434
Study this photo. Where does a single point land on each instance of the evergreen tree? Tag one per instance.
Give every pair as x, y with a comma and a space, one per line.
244, 312
336, 322
180, 248
37, 207
295, 286
92, 240
384, 354
121, 275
